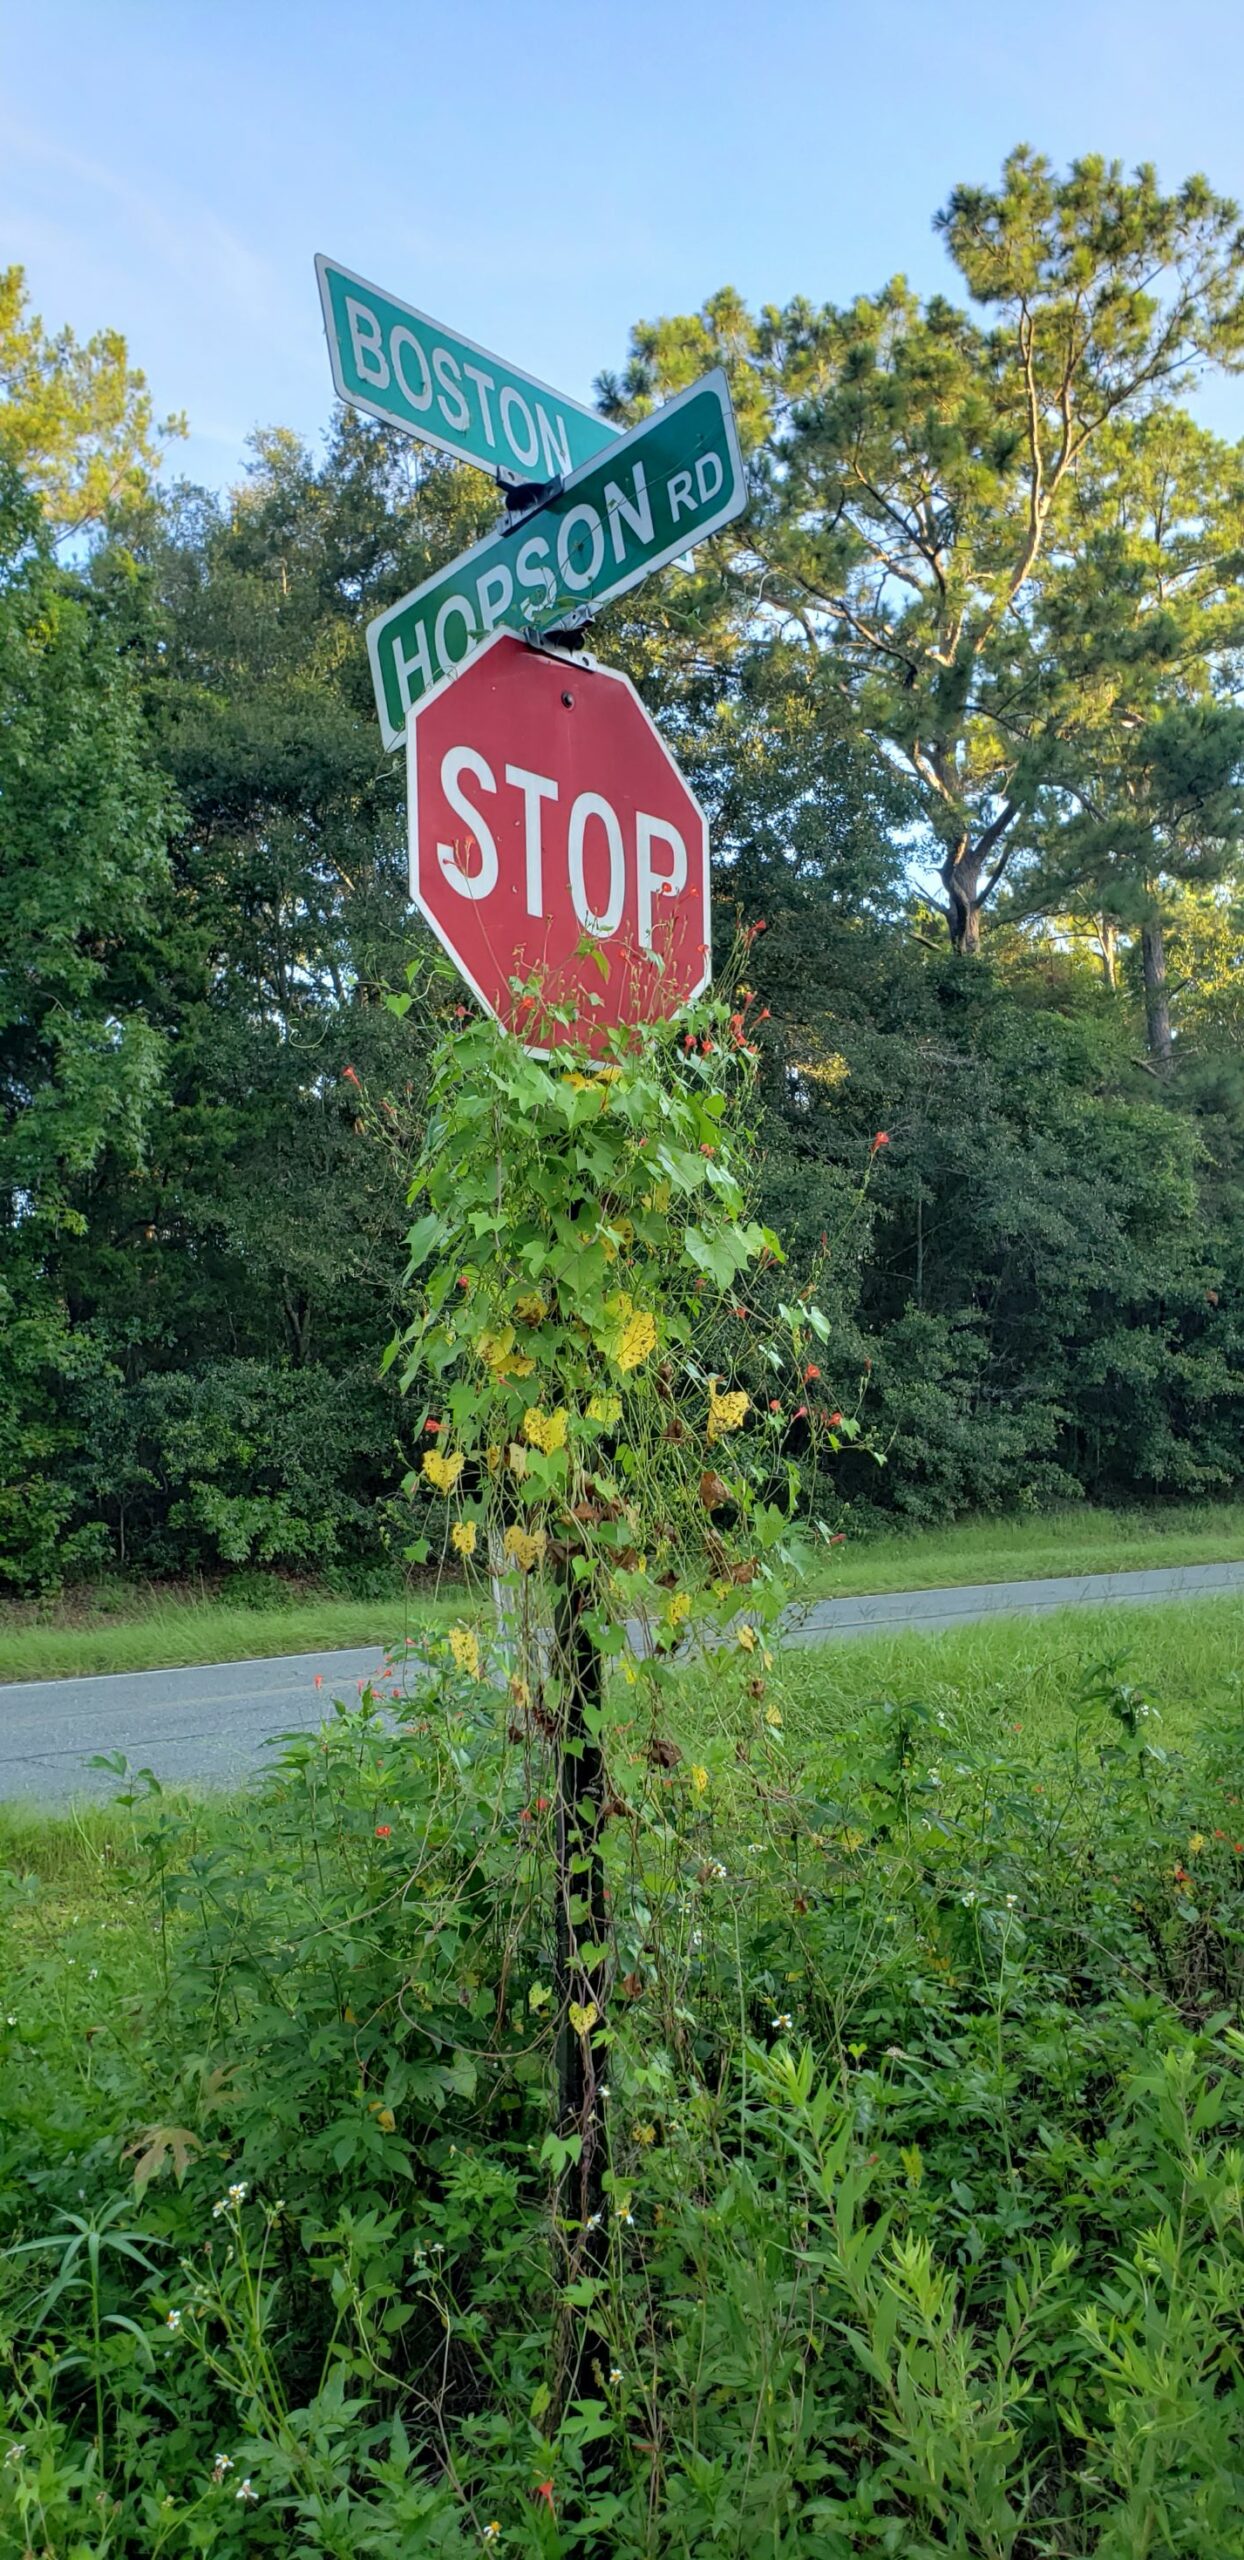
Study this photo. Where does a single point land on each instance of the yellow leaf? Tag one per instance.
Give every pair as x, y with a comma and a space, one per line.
583, 2018
462, 1537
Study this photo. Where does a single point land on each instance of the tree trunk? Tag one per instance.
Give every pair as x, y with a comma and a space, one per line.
961, 875
1157, 1001
1108, 941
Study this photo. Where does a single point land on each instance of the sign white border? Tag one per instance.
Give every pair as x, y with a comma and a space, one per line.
732, 506
579, 662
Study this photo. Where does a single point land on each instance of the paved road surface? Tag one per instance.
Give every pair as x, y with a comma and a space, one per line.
211, 1724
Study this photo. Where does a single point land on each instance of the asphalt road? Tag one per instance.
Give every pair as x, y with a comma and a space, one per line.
212, 1723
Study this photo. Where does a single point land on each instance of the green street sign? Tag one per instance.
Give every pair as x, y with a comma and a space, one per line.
408, 371
668, 484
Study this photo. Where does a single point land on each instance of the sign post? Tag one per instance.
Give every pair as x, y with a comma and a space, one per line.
673, 480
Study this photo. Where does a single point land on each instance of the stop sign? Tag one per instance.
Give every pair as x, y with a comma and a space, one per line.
553, 837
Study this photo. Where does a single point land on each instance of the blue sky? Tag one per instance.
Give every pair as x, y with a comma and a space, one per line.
542, 175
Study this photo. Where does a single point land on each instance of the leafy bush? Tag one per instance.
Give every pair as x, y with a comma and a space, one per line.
926, 2148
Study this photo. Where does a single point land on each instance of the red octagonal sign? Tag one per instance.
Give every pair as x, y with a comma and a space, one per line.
553, 838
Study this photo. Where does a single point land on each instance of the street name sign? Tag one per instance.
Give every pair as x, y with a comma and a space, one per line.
670, 482
412, 373
553, 837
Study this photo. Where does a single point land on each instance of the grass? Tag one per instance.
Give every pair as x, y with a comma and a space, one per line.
154, 1628
169, 1632
1186, 1657
1023, 1547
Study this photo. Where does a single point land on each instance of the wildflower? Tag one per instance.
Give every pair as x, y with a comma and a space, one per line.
349, 1077
725, 1413
464, 1646
699, 1779
384, 1830
492, 2531
386, 2119
544, 2489
173, 2321
810, 1373
645, 2135
525, 1546
319, 1680
545, 1431
707, 1150
678, 1607
606, 1409
13, 2456
247, 2495
783, 2022
882, 1139
615, 2373
625, 2214
1196, 1842
238, 2194
853, 1840
222, 2463
969, 1900
462, 1537
774, 1405
432, 1424
745, 1638
594, 2220
443, 1472
1012, 1901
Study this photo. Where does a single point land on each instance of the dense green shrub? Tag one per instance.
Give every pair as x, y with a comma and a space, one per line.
926, 2148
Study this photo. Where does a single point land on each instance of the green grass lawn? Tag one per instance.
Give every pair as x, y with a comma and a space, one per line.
165, 1632
1022, 1547
154, 1630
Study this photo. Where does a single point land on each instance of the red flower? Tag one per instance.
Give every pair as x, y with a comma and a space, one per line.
839, 1538
763, 1017
834, 1420
525, 1003
810, 1373
741, 1313
464, 1279
542, 1804
432, 1426
688, 1039
801, 1415
882, 1139
525, 1815
319, 1682
384, 1830
545, 2490
349, 1077
708, 1151
774, 1406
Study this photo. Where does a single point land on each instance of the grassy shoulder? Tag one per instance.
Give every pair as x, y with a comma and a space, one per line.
1021, 1547
160, 1630
156, 1629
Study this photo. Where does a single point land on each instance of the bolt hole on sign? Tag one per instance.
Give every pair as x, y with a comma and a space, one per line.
554, 842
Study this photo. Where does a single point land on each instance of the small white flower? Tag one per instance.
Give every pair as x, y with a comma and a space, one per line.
697, 1937
593, 2222
13, 2455
716, 1871
615, 2373
1012, 1900
222, 2463
238, 2193
935, 1777
12, 2020
93, 1975
492, 2532
218, 2208
783, 2022
247, 2495
606, 2091
625, 2214
173, 2321
969, 1899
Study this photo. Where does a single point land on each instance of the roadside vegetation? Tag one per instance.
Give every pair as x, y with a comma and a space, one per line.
925, 2119
121, 1626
